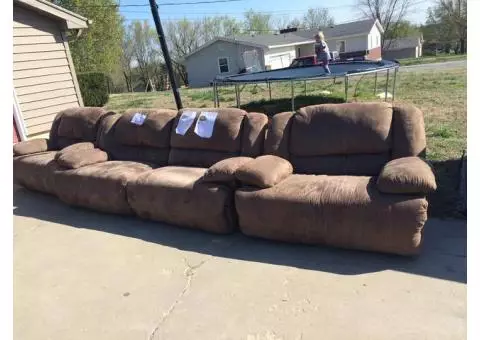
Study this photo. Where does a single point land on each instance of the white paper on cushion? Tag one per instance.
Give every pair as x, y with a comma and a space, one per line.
138, 118
205, 124
185, 121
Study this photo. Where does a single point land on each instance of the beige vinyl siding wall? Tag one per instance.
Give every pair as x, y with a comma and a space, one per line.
42, 75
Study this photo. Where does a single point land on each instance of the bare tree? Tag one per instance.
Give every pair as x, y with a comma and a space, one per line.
389, 13
127, 57
317, 18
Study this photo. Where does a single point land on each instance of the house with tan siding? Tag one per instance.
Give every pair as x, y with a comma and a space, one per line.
44, 80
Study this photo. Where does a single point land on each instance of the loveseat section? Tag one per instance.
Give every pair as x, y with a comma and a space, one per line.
334, 196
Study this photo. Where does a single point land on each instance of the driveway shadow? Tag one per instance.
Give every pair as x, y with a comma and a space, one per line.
443, 255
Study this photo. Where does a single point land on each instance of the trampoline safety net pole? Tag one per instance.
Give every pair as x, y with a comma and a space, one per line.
293, 97
269, 90
386, 84
375, 84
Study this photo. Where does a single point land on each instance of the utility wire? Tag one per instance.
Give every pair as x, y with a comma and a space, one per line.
160, 4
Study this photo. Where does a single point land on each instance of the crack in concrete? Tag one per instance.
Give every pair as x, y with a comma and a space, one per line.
189, 272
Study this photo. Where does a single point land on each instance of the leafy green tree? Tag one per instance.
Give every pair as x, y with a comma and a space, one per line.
99, 48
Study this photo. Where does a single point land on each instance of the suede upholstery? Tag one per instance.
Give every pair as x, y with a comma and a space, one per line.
179, 193
235, 133
407, 175
75, 148
224, 171
343, 211
100, 186
337, 152
147, 143
132, 149
37, 171
264, 172
77, 159
30, 146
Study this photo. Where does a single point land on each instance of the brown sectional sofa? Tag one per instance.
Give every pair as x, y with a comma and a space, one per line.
337, 152
346, 175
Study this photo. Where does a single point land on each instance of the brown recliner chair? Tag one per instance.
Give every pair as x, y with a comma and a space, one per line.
346, 175
34, 161
196, 188
132, 149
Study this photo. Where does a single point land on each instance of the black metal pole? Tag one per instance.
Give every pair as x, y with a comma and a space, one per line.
166, 55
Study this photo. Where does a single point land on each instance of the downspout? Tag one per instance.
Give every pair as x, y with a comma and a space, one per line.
17, 116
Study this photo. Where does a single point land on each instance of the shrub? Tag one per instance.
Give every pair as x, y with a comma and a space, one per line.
94, 88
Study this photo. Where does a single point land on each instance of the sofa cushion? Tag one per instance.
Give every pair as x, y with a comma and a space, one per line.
234, 133
409, 131
77, 159
30, 146
224, 171
177, 195
36, 171
264, 171
407, 175
75, 125
341, 129
147, 143
99, 186
344, 211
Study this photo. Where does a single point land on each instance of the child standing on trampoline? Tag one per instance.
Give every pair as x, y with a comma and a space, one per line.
322, 52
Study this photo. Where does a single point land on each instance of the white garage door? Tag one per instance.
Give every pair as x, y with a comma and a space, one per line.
280, 61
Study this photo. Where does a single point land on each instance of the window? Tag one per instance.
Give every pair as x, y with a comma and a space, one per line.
341, 46
223, 65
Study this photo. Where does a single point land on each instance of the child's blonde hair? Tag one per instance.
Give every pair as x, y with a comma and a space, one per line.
320, 36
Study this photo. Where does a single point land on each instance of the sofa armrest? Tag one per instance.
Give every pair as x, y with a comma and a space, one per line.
264, 171
407, 175
224, 170
78, 159
77, 147
30, 146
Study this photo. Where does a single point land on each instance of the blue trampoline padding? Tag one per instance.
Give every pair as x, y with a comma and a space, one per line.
316, 71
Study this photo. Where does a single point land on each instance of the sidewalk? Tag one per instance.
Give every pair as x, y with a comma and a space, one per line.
85, 275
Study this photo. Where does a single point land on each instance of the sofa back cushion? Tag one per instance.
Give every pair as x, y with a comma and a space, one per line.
235, 133
346, 139
148, 142
75, 125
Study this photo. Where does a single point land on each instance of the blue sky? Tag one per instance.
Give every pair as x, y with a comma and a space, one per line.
341, 10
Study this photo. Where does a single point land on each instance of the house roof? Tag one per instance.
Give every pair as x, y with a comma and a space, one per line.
298, 37
403, 43
72, 20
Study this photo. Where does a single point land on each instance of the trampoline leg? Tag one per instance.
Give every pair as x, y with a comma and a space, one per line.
214, 94
269, 90
346, 89
375, 86
394, 83
305, 87
293, 98
386, 85
237, 95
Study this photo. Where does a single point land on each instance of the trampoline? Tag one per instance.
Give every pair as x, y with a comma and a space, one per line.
345, 69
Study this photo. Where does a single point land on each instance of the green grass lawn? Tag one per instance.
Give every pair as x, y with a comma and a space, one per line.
432, 59
440, 95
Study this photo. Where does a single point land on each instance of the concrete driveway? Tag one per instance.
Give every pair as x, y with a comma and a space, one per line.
85, 275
